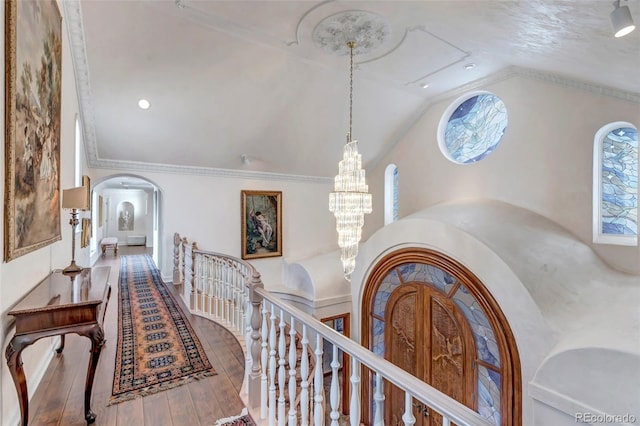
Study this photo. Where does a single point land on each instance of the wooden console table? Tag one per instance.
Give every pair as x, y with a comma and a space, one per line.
59, 305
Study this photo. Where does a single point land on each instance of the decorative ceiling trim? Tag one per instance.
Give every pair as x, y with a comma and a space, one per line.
302, 18
140, 166
367, 30
75, 30
464, 53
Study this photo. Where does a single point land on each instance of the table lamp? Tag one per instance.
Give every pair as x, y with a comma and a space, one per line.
74, 199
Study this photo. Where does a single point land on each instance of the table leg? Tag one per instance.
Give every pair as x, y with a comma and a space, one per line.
104, 250
61, 347
14, 361
96, 334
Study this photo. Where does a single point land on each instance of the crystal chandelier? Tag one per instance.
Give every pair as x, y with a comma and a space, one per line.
350, 200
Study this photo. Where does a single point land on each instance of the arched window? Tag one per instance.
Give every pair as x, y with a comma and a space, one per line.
472, 127
390, 194
615, 185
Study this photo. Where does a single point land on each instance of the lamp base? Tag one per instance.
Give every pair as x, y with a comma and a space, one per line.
72, 269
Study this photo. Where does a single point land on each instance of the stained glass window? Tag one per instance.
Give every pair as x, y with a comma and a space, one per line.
616, 182
472, 127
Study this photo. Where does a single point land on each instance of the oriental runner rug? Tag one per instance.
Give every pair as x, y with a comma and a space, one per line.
157, 347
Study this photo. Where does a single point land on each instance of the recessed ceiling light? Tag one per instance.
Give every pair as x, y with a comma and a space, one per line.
424, 86
144, 104
469, 66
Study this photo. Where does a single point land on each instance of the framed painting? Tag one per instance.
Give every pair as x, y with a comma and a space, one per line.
261, 224
33, 76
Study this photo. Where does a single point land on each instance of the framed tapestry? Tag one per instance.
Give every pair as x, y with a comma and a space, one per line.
33, 75
261, 224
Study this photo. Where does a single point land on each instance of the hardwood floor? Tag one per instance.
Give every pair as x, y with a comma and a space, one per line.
59, 398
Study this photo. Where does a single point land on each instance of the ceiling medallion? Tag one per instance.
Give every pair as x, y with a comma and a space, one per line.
368, 30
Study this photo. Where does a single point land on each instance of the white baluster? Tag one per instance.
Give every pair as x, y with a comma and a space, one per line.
408, 417
247, 343
282, 347
263, 360
318, 390
445, 421
334, 396
216, 287
228, 296
354, 406
210, 294
304, 375
293, 353
378, 398
272, 368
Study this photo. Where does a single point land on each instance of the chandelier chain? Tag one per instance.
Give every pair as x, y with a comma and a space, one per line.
351, 45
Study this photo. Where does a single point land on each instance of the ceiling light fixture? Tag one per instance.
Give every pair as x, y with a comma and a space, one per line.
469, 66
351, 199
426, 85
351, 32
144, 104
621, 20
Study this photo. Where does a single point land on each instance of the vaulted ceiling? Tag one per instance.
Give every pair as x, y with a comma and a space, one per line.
240, 87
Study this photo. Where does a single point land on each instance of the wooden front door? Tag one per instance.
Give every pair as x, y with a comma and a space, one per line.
428, 336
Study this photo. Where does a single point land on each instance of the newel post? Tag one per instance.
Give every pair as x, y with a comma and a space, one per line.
256, 346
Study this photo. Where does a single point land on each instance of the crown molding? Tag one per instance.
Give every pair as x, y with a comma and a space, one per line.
140, 166
502, 75
75, 29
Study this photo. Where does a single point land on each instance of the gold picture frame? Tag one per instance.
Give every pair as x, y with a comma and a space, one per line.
86, 182
99, 211
33, 88
85, 237
261, 221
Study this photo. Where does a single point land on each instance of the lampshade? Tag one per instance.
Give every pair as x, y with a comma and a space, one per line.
621, 20
75, 198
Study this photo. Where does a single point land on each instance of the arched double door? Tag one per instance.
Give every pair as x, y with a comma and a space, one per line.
429, 315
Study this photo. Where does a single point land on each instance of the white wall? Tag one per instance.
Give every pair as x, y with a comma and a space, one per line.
206, 209
543, 164
142, 202
20, 275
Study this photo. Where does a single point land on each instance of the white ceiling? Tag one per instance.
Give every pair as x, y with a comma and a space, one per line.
233, 78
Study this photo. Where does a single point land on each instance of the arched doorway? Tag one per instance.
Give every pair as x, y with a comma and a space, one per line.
131, 204
428, 314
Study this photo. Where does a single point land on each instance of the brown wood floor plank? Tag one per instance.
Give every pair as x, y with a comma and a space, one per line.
205, 400
55, 395
183, 412
130, 413
156, 410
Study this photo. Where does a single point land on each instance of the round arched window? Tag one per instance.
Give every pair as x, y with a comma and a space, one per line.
472, 127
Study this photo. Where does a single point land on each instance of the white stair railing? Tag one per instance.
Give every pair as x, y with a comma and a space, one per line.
230, 290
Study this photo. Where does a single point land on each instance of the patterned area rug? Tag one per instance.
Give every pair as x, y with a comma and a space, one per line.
241, 420
157, 347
